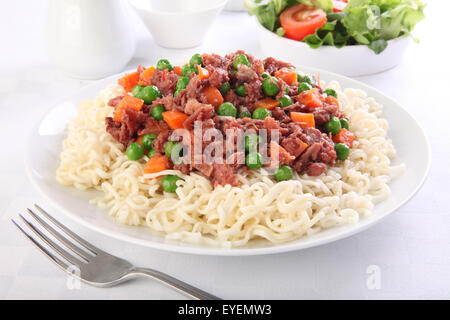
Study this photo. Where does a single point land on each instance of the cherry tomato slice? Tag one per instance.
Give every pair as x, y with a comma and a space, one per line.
301, 20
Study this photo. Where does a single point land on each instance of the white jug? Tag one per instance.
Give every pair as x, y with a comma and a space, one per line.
89, 39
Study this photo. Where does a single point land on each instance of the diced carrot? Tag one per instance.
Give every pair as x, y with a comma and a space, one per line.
156, 164
275, 149
287, 75
177, 70
303, 146
267, 103
202, 73
128, 81
305, 119
174, 119
332, 100
146, 75
344, 136
311, 98
127, 102
213, 96
260, 69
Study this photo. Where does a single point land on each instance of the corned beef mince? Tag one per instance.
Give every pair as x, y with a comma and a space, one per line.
192, 101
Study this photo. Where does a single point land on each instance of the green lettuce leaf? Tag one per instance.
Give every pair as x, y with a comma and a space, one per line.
325, 5
265, 13
373, 22
362, 22
378, 45
332, 33
400, 20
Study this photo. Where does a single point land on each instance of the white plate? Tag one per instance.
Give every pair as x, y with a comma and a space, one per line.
351, 61
44, 146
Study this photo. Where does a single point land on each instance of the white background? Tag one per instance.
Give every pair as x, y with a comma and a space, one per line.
411, 247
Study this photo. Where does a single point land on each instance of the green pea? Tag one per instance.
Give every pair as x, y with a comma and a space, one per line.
157, 112
195, 60
265, 75
169, 147
227, 109
182, 83
164, 64
177, 153
169, 183
151, 153
136, 90
304, 86
149, 94
241, 59
135, 151
261, 113
241, 90
344, 123
147, 140
333, 126
283, 173
270, 87
224, 88
287, 90
253, 160
245, 113
187, 70
331, 92
285, 101
342, 151
251, 142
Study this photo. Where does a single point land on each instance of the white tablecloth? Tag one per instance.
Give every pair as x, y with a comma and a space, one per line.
409, 251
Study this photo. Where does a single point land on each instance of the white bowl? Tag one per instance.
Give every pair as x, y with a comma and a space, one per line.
235, 5
178, 23
356, 60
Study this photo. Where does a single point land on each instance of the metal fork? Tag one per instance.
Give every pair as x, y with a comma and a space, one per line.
95, 266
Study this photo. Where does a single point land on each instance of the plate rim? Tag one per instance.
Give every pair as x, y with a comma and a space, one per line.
218, 251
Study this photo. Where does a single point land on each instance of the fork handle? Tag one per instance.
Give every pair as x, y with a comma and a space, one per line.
174, 283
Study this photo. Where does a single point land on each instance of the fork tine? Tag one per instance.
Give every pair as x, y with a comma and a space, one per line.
75, 237
58, 236
66, 255
63, 265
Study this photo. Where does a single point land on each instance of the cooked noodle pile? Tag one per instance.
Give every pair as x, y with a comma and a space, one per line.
231, 216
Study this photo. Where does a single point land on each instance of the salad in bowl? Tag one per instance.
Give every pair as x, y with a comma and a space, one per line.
371, 35
339, 22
